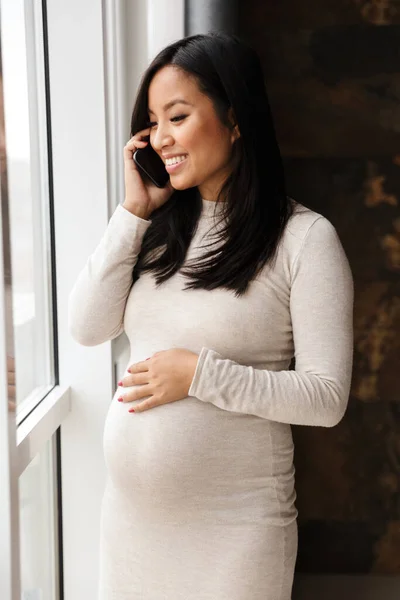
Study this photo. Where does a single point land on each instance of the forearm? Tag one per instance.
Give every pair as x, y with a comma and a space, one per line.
284, 396
98, 298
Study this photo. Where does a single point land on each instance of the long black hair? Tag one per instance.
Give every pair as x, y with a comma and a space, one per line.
255, 207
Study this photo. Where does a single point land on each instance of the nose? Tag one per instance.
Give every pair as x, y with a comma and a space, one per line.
161, 138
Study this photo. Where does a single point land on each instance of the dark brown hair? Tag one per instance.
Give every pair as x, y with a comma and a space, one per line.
257, 208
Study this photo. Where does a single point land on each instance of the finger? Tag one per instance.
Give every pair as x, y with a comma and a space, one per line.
143, 132
139, 367
137, 379
146, 405
130, 148
141, 392
135, 143
140, 136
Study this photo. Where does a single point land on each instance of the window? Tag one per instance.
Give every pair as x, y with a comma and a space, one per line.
32, 405
38, 526
25, 191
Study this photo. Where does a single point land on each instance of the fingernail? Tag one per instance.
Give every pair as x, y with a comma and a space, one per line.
120, 399
120, 383
148, 358
131, 410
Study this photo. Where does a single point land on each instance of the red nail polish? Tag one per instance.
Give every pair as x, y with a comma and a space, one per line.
129, 371
131, 410
120, 383
120, 399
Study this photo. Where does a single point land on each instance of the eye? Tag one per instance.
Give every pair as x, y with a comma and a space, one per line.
178, 118
173, 119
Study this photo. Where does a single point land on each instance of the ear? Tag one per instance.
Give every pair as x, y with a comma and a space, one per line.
235, 131
235, 134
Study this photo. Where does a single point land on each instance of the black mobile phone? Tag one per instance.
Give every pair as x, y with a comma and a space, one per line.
151, 165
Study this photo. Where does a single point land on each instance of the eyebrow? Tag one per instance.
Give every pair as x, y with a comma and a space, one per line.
172, 103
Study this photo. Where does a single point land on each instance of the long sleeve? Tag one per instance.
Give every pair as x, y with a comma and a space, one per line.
97, 300
321, 309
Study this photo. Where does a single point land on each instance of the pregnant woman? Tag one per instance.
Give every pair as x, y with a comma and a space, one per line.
218, 279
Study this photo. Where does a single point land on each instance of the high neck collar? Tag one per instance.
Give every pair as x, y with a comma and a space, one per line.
211, 208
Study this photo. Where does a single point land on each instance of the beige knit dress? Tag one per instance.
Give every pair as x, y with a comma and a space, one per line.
200, 500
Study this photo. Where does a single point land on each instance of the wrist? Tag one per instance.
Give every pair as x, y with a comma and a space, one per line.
192, 364
138, 211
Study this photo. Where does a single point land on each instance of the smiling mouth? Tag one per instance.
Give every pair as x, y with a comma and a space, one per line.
174, 159
172, 167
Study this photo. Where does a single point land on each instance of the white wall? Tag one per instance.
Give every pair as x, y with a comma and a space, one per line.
81, 213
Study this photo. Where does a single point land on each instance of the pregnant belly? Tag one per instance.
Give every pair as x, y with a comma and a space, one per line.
190, 455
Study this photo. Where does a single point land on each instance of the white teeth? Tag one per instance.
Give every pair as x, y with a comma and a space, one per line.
174, 160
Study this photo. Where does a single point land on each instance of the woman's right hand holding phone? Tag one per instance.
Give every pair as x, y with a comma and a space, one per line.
141, 198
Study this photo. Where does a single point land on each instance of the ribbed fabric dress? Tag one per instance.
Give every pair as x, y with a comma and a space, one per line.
200, 499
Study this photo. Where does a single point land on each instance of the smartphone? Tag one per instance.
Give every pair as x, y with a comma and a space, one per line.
151, 165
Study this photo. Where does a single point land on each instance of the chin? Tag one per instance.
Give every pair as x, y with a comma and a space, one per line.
177, 185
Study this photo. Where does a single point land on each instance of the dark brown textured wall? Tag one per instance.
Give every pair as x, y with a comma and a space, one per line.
333, 75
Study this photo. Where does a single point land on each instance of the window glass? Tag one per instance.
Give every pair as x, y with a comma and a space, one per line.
38, 531
25, 196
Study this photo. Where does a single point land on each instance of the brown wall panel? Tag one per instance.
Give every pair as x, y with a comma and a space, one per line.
333, 77
291, 14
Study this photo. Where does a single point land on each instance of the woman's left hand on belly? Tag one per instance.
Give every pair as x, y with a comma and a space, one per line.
164, 377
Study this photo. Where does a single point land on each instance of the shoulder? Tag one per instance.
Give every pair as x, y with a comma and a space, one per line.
309, 240
311, 245
304, 225
301, 220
